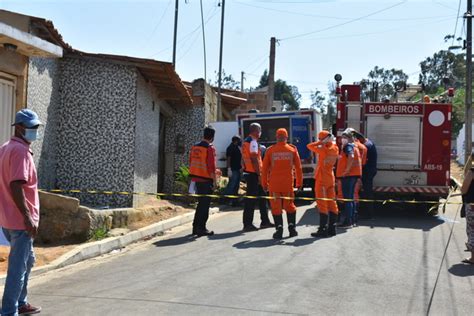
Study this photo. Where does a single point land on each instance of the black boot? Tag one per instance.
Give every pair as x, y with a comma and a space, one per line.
278, 219
292, 224
332, 224
322, 230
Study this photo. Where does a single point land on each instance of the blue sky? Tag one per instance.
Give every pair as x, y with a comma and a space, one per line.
317, 38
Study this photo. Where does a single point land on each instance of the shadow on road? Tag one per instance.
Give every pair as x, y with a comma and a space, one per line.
257, 243
301, 242
403, 216
175, 241
462, 270
220, 236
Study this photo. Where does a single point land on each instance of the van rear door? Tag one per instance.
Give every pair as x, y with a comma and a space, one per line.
300, 135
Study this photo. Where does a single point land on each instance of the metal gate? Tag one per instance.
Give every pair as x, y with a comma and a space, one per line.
7, 105
397, 140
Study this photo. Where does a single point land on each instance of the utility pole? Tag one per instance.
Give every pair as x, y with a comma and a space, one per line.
175, 32
271, 76
468, 113
219, 97
242, 81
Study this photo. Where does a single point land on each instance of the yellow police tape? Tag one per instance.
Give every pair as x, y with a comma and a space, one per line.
255, 197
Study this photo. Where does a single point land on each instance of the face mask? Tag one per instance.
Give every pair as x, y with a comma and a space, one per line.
344, 141
31, 134
259, 134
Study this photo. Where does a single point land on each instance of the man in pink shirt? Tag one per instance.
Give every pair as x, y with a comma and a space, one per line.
19, 211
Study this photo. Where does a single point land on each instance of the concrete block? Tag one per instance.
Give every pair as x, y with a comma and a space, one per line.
52, 201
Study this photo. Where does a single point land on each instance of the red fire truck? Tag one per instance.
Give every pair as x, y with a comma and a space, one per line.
413, 142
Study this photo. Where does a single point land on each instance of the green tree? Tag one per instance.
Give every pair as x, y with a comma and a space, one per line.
326, 106
317, 101
382, 82
283, 92
443, 68
228, 82
457, 120
263, 80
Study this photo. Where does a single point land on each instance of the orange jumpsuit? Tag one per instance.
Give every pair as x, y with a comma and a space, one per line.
280, 165
324, 176
363, 158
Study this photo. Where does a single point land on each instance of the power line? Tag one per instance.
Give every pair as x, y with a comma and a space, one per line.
338, 17
444, 5
203, 42
456, 25
379, 32
189, 48
259, 65
259, 58
345, 23
188, 35
160, 20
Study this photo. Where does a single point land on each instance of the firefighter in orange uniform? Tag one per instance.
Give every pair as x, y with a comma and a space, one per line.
327, 152
358, 186
280, 164
202, 168
349, 169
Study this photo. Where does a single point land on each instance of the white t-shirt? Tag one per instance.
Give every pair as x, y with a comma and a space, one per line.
253, 147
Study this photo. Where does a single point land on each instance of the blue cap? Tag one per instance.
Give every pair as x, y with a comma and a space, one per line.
27, 117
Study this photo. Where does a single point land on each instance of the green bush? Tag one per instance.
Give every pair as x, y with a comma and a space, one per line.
99, 233
183, 178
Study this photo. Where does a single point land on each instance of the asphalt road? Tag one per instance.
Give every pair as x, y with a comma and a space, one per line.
388, 266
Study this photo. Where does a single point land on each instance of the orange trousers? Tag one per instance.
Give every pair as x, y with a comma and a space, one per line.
278, 205
329, 192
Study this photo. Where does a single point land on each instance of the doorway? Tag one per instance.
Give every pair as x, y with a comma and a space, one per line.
161, 152
7, 106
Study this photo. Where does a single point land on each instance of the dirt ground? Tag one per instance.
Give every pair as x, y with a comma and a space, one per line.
47, 253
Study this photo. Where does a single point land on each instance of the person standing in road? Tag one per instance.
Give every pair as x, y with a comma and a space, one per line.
263, 203
234, 166
252, 165
202, 168
369, 170
348, 170
325, 182
467, 191
19, 211
359, 183
280, 166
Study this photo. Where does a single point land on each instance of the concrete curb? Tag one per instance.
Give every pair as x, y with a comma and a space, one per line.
101, 247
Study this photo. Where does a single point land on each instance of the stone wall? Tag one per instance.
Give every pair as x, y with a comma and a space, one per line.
43, 98
183, 131
186, 128
96, 145
63, 220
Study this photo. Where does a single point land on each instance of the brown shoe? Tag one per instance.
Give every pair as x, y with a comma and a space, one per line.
28, 309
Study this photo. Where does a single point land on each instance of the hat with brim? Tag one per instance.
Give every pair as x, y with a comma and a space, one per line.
27, 118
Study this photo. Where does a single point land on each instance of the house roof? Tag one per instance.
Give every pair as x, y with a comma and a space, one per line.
161, 74
232, 101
